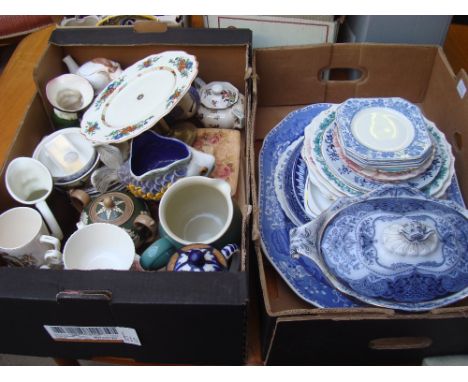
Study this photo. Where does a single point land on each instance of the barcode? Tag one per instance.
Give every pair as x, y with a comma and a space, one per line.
93, 334
84, 331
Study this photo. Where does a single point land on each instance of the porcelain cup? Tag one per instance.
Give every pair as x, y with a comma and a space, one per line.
99, 246
194, 210
29, 182
23, 235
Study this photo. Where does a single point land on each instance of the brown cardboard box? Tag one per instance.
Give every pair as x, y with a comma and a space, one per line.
183, 318
293, 331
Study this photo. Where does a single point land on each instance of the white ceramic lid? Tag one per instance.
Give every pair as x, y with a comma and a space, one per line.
219, 95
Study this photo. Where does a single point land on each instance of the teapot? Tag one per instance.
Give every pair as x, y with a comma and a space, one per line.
221, 105
99, 71
201, 258
118, 208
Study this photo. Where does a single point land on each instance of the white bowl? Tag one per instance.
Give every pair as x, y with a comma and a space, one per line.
69, 92
67, 154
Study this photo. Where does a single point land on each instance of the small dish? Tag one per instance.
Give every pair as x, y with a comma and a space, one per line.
69, 93
67, 154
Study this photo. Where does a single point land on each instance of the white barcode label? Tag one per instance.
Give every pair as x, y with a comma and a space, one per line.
102, 334
461, 88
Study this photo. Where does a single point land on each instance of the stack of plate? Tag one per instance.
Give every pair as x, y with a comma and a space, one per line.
358, 146
303, 172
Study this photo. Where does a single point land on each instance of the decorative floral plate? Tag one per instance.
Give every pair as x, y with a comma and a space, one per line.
382, 129
140, 97
302, 275
393, 248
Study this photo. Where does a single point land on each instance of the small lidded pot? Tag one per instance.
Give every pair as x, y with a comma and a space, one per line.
201, 258
118, 208
221, 105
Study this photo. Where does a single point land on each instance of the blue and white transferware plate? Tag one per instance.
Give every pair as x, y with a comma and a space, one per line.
393, 248
382, 130
302, 275
290, 183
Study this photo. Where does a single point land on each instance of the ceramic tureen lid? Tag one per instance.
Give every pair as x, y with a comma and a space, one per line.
219, 95
393, 248
113, 207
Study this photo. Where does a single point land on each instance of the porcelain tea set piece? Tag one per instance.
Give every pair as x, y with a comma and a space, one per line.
69, 93
99, 246
25, 240
195, 210
201, 258
221, 105
29, 182
141, 96
99, 71
116, 208
393, 247
156, 163
68, 155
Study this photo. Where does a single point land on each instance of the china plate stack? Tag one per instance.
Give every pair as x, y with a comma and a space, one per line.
421, 158
288, 192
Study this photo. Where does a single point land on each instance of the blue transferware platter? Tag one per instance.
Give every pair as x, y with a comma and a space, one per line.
393, 248
302, 275
382, 130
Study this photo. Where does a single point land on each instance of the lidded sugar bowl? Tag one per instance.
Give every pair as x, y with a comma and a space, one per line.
221, 105
118, 208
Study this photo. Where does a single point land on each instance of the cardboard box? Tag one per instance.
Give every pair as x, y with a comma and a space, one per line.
293, 331
183, 318
274, 31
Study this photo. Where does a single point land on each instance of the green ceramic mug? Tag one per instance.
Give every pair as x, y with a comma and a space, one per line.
195, 209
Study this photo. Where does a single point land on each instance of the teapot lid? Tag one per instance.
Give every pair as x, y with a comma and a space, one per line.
219, 95
112, 207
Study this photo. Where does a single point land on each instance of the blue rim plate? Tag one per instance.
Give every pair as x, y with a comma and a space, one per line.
416, 149
302, 275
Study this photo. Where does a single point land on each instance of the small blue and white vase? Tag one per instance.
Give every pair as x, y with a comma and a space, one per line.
201, 258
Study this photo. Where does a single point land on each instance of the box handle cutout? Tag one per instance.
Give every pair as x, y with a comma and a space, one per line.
341, 74
95, 295
400, 343
458, 140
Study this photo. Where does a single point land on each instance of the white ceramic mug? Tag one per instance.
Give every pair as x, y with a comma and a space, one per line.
24, 236
99, 246
194, 209
29, 182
